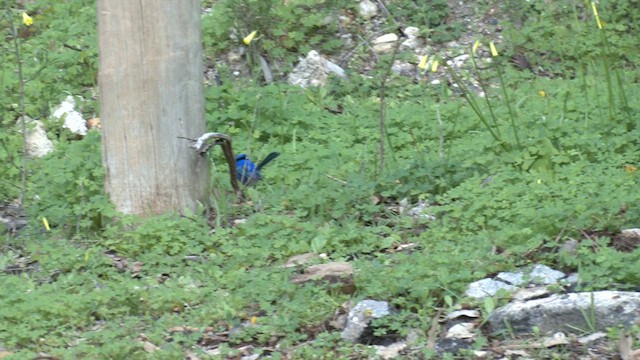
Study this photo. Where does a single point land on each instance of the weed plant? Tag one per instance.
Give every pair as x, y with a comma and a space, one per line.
97, 280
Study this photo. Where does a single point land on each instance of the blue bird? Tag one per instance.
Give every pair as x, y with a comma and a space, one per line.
248, 172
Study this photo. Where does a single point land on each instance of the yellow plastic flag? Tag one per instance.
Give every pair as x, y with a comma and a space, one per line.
46, 223
494, 51
423, 62
595, 13
26, 19
434, 66
475, 47
247, 39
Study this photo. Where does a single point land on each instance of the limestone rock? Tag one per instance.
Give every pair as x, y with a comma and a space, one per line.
486, 287
314, 70
73, 120
413, 41
38, 144
361, 315
569, 312
385, 43
367, 9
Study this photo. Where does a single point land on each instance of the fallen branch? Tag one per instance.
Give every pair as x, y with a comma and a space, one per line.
202, 145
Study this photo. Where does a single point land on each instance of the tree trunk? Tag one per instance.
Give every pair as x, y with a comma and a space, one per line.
151, 92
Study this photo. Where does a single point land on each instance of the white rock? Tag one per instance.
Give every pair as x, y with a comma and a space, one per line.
461, 331
542, 274
531, 293
511, 277
360, 316
630, 233
459, 60
38, 144
73, 120
486, 287
481, 354
314, 70
385, 43
367, 9
335, 69
391, 351
411, 32
402, 67
310, 71
591, 337
558, 338
413, 41
539, 274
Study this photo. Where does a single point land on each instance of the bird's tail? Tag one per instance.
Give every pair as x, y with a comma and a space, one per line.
268, 159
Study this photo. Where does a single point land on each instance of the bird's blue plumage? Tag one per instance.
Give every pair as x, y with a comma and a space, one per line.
248, 172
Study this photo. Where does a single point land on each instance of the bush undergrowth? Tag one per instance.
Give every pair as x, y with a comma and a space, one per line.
112, 277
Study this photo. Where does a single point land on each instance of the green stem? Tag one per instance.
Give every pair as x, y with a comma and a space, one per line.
486, 95
506, 98
474, 106
23, 123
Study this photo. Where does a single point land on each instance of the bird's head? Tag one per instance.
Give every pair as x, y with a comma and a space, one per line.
241, 157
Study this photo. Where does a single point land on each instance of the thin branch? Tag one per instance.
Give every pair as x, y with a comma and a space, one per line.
23, 122
383, 106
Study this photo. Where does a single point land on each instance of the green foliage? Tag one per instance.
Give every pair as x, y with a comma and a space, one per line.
169, 234
59, 56
286, 28
496, 207
10, 158
559, 36
66, 186
430, 14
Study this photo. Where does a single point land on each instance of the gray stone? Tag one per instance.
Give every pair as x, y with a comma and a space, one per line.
486, 287
531, 293
385, 43
461, 331
403, 68
459, 60
570, 246
513, 278
314, 70
333, 68
630, 234
420, 210
591, 337
334, 272
361, 315
412, 41
572, 279
542, 274
411, 32
298, 260
390, 351
367, 9
569, 312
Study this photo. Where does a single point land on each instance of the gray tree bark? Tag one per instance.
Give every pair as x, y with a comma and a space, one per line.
151, 92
